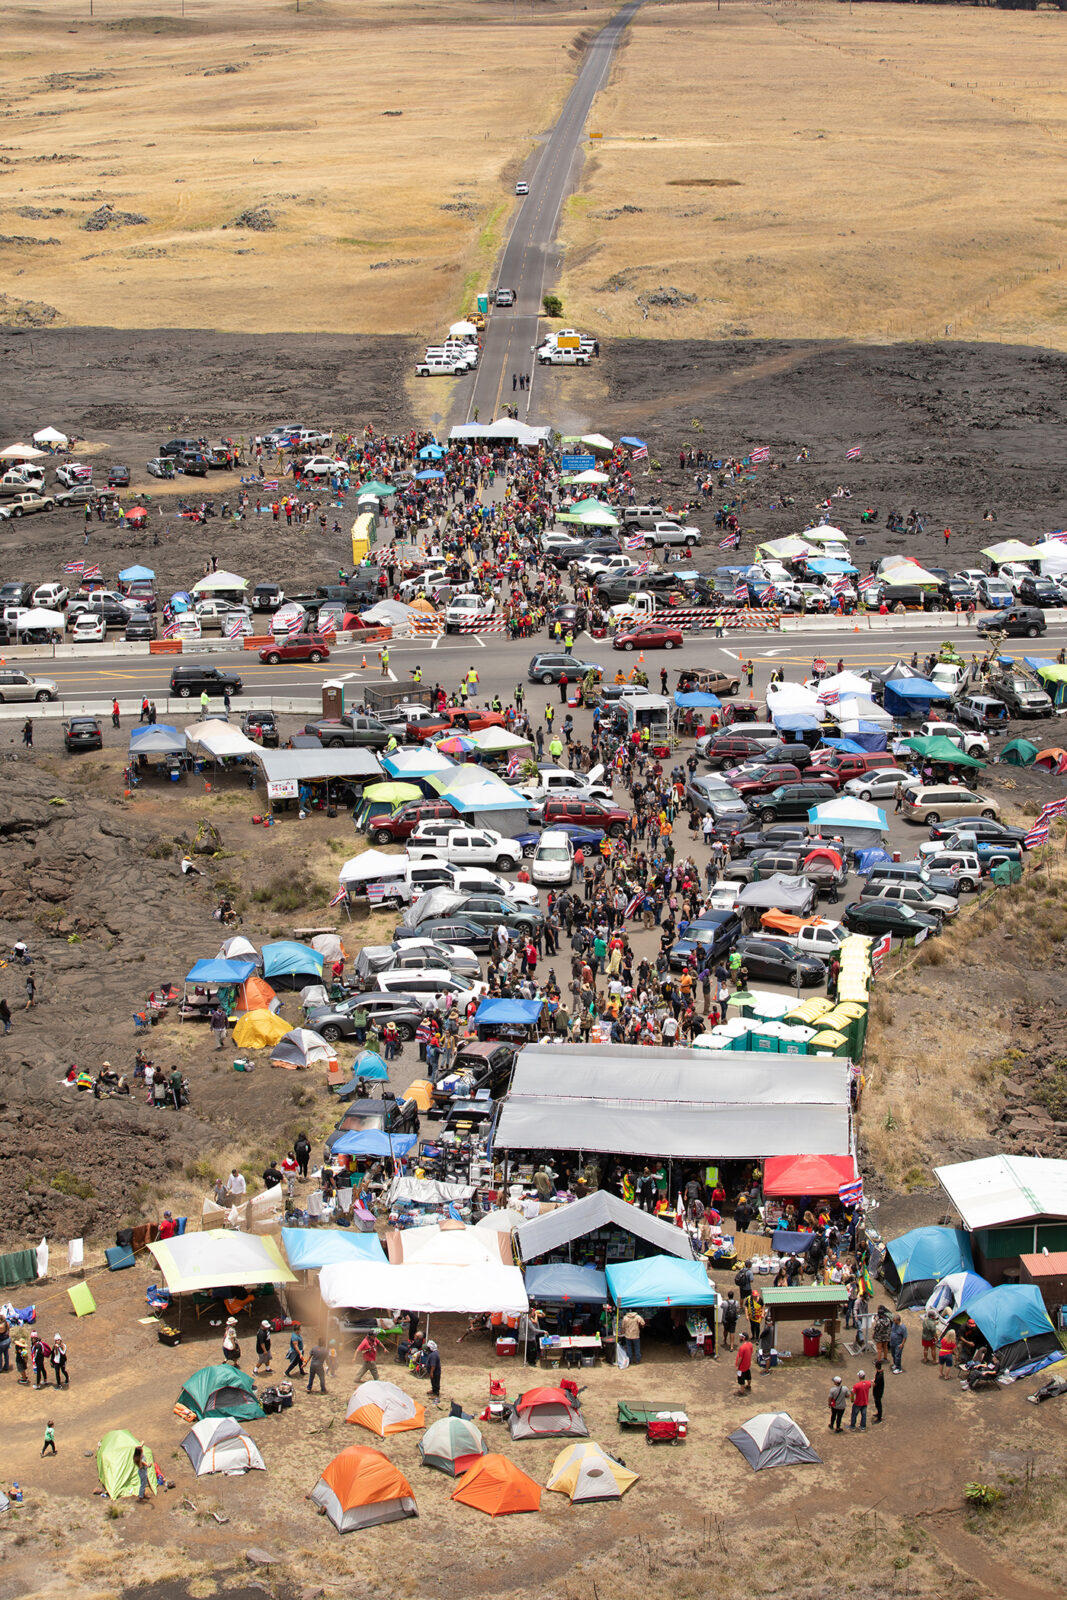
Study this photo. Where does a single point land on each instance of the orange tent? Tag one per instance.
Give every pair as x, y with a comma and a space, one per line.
361, 1488
384, 1408
254, 994
496, 1486
1054, 760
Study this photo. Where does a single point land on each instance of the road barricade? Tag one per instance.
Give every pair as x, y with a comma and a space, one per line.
164, 647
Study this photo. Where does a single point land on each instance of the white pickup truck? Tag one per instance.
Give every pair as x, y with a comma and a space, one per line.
817, 938
970, 742
562, 358
672, 533
468, 608
467, 847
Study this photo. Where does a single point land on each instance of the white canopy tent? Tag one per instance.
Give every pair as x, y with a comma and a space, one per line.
21, 452
219, 739
49, 436
216, 581
602, 1209
371, 864
218, 1258
472, 1290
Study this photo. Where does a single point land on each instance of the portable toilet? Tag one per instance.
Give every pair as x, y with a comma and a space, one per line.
828, 1043
483, 304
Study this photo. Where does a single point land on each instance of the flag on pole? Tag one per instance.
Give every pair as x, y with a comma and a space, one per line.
741, 593
91, 572
269, 483
640, 454
636, 541
730, 541
1052, 808
854, 452
340, 897
632, 907
172, 630
761, 453
850, 1194
295, 624
1038, 835
641, 568
74, 566
235, 626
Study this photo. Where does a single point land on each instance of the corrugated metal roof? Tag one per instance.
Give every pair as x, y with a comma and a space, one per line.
1001, 1189
281, 765
599, 1210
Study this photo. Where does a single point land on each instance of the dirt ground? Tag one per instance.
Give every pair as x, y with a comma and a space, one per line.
269, 167
802, 170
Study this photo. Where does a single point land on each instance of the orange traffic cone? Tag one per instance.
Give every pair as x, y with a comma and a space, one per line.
363, 664
641, 659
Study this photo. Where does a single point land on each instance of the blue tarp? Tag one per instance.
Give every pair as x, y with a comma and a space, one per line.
795, 721
832, 564
869, 737
480, 800
220, 971
308, 1248
1036, 662
136, 575
709, 701
632, 443
660, 1281
373, 1142
912, 697
786, 1243
287, 957
1009, 1314
562, 1282
930, 1253
866, 859
425, 477
851, 747
501, 1011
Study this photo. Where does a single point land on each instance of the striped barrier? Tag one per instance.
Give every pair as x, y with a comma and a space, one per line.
699, 618
487, 625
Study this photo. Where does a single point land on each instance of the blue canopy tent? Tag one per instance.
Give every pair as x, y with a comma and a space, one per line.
290, 965
633, 444
869, 737
561, 1282
797, 722
218, 971
157, 739
423, 762
136, 575
912, 697
697, 698
830, 564
1014, 1323
496, 1011
425, 477
915, 1263
373, 1142
660, 1281
432, 452
309, 1248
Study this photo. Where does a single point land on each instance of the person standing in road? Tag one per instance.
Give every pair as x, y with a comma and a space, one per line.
49, 1437
730, 1313
203, 703
231, 1345
59, 1362
218, 1026
145, 711
5, 1015
31, 993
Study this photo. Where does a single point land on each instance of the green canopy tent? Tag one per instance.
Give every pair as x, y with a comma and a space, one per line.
221, 1391
1054, 680
942, 751
591, 513
115, 1465
378, 490
1019, 753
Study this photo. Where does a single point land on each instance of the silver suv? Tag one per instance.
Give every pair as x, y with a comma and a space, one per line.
18, 685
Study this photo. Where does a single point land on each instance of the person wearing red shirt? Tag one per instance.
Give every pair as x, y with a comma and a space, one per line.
743, 1364
861, 1394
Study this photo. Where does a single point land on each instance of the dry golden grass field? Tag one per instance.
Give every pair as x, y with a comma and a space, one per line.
822, 170
384, 141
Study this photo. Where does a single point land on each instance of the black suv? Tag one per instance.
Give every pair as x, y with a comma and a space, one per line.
1019, 621
177, 447
792, 800
1039, 592
190, 681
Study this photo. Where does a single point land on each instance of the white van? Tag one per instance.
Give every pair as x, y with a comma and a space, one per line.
429, 981
553, 860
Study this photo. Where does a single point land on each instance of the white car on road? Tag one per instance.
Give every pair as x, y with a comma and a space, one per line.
468, 608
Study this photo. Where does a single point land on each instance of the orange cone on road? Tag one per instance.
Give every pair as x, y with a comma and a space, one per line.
363, 664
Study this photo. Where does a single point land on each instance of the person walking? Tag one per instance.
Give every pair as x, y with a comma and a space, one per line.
630, 1335
317, 1367
836, 1400
945, 1353
861, 1394
878, 1390
49, 1438
370, 1349
898, 1338
302, 1152
31, 993
204, 703
38, 1355
217, 1019
263, 1348
928, 1336
27, 733
431, 1362
296, 1353
116, 720
145, 710
730, 1313
5, 1015
231, 1347
743, 1366
59, 1362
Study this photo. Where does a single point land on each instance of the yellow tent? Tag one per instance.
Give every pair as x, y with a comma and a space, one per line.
421, 1091
425, 606
259, 1029
585, 1471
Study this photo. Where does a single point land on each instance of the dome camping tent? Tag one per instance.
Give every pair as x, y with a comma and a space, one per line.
361, 1488
585, 1472
221, 1391
546, 1414
496, 1486
773, 1439
384, 1408
300, 1048
916, 1262
220, 1444
115, 1465
451, 1445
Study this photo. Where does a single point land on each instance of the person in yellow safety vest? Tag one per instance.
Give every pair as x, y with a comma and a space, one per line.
550, 715
646, 735
463, 691
416, 676
555, 748
472, 681
568, 643
383, 657
391, 745
605, 848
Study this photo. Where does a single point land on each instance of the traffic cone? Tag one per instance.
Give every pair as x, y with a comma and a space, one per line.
363, 664
751, 692
641, 659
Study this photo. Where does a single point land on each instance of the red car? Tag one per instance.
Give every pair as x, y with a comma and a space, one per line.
650, 638
298, 647
391, 830
761, 780
454, 719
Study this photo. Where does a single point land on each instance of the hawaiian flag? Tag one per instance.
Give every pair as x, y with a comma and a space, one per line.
375, 892
730, 541
761, 453
839, 585
235, 626
172, 630
295, 623
340, 897
91, 572
641, 568
1038, 835
741, 593
868, 583
74, 566
640, 454
636, 541
631, 909
1052, 808
854, 452
851, 1194
269, 483
327, 627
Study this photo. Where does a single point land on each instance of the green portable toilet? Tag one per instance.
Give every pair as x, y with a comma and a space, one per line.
483, 304
828, 1043
857, 1015
763, 1041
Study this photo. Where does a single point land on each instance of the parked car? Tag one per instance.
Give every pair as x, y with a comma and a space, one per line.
160, 467
82, 733
489, 911
792, 800
297, 647
649, 638
267, 597
778, 962
262, 727
970, 742
522, 187
984, 829
1039, 592
590, 813
354, 729
759, 777
89, 628
1021, 696
982, 711
454, 719
51, 596
930, 803
403, 823
16, 685
73, 472
721, 801
185, 682
875, 917
449, 930
140, 625
25, 504
922, 896
549, 668
335, 1022
881, 784
118, 477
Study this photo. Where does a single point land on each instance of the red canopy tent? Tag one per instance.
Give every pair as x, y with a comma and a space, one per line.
793, 1175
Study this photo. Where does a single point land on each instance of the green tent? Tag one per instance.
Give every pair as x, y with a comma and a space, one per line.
221, 1391
379, 490
938, 749
1019, 752
115, 1468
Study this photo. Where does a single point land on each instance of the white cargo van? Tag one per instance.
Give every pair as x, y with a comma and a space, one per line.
553, 860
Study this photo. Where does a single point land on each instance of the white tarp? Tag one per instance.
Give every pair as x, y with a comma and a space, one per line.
436, 1246
599, 1210
683, 1104
427, 1191
1000, 1189
372, 864
218, 1258
219, 739
474, 1290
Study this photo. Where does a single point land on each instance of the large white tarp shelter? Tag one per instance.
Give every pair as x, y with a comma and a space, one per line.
502, 428
599, 1210
681, 1104
219, 739
1001, 1189
219, 1258
472, 1290
309, 766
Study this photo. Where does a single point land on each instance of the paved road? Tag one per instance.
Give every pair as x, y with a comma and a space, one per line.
501, 664
511, 334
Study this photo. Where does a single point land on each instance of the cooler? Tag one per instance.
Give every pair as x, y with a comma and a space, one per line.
507, 1347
